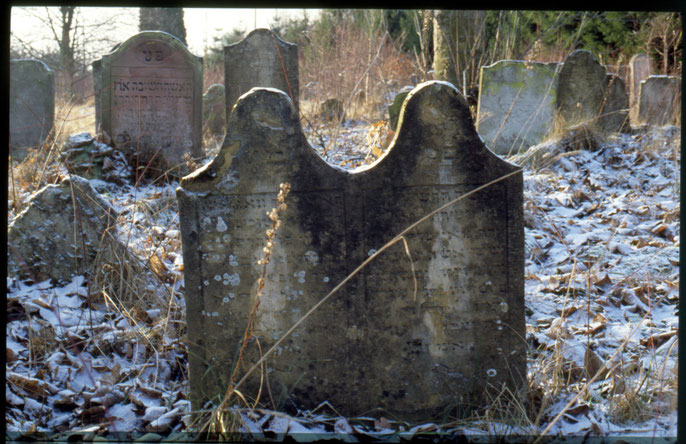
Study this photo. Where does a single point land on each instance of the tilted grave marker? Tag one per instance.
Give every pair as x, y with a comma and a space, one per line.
150, 92
516, 104
261, 59
581, 88
614, 111
379, 342
660, 101
32, 105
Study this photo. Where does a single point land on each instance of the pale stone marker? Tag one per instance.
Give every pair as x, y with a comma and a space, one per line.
659, 101
640, 68
261, 59
614, 112
214, 109
581, 88
516, 105
376, 343
150, 99
32, 105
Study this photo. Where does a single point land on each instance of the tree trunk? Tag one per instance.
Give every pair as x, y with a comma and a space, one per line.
169, 20
445, 48
66, 47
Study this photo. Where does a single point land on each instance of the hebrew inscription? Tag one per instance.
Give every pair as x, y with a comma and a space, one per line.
150, 100
407, 332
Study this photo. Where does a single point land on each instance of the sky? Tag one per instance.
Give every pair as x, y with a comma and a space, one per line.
202, 24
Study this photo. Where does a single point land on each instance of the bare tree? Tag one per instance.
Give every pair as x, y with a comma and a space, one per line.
78, 42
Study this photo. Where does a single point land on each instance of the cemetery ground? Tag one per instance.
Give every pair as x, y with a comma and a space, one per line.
105, 354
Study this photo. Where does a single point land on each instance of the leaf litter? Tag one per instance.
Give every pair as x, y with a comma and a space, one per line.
602, 263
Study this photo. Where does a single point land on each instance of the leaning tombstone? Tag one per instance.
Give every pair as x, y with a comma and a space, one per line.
261, 59
150, 100
659, 101
640, 68
581, 88
516, 105
394, 109
32, 105
614, 112
214, 109
406, 333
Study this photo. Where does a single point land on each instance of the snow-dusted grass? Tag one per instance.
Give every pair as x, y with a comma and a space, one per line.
602, 279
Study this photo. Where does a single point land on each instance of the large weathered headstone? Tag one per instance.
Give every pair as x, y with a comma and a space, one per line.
516, 105
614, 111
381, 341
640, 68
581, 88
261, 59
32, 105
214, 109
150, 99
659, 101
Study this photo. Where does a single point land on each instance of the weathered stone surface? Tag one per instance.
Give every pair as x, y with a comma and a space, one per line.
151, 100
261, 59
516, 105
581, 88
332, 111
396, 106
640, 68
32, 105
376, 343
47, 239
614, 112
89, 158
659, 101
214, 109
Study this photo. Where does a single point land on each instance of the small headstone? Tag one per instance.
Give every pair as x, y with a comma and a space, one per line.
581, 88
659, 101
32, 105
614, 112
394, 109
261, 59
516, 105
413, 351
214, 109
150, 99
640, 68
332, 111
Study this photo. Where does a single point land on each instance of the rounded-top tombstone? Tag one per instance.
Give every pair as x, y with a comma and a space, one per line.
32, 104
640, 68
404, 334
261, 59
214, 109
581, 88
150, 100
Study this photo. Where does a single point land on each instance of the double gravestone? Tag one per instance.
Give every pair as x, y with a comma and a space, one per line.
412, 336
149, 98
261, 59
516, 104
586, 93
660, 101
32, 105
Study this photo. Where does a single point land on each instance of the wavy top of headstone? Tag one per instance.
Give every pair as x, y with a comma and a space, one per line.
377, 343
261, 59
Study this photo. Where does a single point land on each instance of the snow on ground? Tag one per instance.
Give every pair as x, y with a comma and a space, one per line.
602, 280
